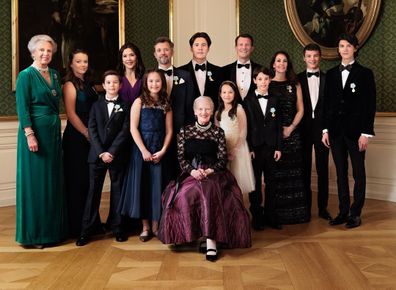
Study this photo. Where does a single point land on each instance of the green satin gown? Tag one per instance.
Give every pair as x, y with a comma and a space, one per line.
40, 200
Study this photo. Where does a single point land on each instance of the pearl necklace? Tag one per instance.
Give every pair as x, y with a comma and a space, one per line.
202, 128
41, 70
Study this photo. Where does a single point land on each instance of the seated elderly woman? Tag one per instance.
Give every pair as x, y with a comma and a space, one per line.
205, 201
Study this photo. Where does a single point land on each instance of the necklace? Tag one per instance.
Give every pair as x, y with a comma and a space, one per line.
41, 70
202, 128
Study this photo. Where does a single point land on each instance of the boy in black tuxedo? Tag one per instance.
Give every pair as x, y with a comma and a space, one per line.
312, 81
350, 101
108, 129
206, 77
264, 138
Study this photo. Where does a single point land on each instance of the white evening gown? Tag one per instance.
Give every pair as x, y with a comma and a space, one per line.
235, 132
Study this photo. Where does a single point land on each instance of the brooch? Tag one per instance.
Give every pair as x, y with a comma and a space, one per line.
272, 110
210, 76
54, 93
289, 88
353, 86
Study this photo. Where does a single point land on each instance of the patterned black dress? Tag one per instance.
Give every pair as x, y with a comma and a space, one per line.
291, 198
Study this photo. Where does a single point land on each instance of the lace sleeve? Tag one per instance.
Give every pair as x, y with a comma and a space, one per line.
222, 150
181, 140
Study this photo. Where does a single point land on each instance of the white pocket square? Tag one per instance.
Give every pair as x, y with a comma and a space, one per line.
181, 81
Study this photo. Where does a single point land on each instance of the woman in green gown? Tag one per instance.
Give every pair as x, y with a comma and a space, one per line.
40, 200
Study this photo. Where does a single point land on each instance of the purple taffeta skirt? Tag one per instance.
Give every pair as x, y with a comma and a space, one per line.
211, 208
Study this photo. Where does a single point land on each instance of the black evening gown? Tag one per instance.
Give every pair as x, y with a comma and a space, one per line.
291, 198
75, 151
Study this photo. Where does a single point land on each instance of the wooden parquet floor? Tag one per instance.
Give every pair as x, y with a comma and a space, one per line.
307, 256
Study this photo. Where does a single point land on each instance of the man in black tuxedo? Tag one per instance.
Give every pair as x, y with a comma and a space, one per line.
264, 137
181, 94
206, 77
312, 82
241, 71
108, 129
350, 102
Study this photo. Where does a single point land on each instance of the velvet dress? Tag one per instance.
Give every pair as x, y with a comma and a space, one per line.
212, 207
291, 199
41, 216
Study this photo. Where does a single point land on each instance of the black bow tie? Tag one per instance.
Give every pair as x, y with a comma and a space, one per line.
247, 65
262, 96
201, 67
167, 72
110, 101
310, 74
347, 67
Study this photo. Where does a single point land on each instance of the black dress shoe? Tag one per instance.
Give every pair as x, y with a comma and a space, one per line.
121, 237
338, 220
211, 258
324, 214
353, 222
82, 241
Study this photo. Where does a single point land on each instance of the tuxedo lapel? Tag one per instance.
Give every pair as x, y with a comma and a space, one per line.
194, 78
305, 88
233, 72
321, 86
352, 76
104, 111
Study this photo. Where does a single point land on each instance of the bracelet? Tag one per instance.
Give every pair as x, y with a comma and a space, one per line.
28, 133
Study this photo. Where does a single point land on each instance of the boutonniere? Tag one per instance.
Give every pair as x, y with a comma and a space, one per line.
117, 108
353, 86
272, 110
289, 88
176, 80
210, 76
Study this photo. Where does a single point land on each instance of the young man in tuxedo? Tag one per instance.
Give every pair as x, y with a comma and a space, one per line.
312, 82
181, 95
264, 137
108, 129
350, 102
206, 77
241, 71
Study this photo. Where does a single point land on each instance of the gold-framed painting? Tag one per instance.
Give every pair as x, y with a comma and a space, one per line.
322, 21
97, 26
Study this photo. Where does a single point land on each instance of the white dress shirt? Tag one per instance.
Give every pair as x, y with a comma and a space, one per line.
313, 86
110, 106
243, 78
263, 102
200, 76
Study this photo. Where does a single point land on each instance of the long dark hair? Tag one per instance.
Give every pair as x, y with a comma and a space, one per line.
237, 99
139, 69
162, 95
290, 73
71, 77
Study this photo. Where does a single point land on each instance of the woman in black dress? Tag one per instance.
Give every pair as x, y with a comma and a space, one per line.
78, 95
291, 199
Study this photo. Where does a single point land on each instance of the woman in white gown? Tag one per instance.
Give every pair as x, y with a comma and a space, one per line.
231, 117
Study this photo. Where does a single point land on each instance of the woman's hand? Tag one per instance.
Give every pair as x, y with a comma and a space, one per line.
157, 156
198, 174
32, 143
287, 131
147, 156
208, 171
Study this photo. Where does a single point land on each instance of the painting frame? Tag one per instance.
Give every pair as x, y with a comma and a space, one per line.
329, 52
17, 27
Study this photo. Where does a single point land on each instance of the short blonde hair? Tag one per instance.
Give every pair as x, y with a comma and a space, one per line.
202, 98
32, 45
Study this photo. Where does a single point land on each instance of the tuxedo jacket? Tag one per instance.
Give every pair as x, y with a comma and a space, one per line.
263, 129
230, 74
109, 134
182, 99
214, 77
350, 110
312, 128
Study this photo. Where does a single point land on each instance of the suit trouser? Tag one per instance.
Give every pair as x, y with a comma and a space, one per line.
341, 146
263, 163
322, 171
91, 216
